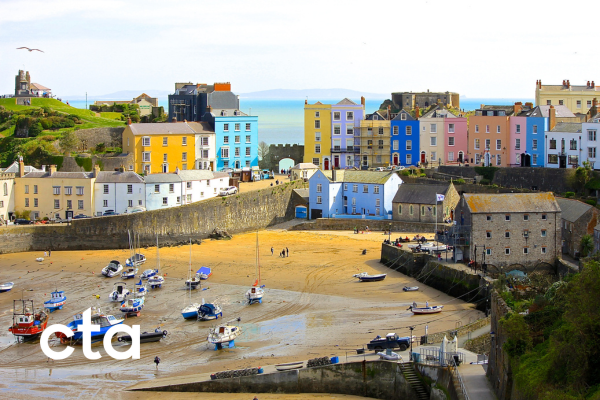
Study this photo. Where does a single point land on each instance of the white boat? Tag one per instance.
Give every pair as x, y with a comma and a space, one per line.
365, 277
140, 289
428, 247
223, 334
289, 366
209, 311
136, 260
5, 287
415, 309
191, 311
39, 259
129, 273
148, 273
256, 292
133, 306
119, 293
156, 281
113, 269
410, 288
391, 356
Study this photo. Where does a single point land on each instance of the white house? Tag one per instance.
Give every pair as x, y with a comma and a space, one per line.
303, 171
199, 185
569, 144
206, 145
163, 191
118, 191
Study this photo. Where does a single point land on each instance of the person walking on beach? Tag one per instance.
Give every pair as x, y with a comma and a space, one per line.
156, 361
287, 252
271, 250
283, 253
49, 252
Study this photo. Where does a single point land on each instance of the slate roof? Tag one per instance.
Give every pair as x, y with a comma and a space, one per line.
544, 111
511, 202
570, 127
195, 174
376, 116
346, 102
60, 175
39, 87
414, 193
572, 210
14, 167
304, 193
305, 166
398, 116
163, 128
162, 178
439, 113
118, 177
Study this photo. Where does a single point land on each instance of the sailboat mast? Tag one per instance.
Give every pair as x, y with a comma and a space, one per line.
257, 259
157, 255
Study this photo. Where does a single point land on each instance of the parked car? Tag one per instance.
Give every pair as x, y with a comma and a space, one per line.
398, 168
109, 212
81, 216
228, 190
23, 221
391, 341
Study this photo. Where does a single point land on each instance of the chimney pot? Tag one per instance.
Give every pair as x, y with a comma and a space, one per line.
417, 112
593, 85
568, 84
128, 121
588, 84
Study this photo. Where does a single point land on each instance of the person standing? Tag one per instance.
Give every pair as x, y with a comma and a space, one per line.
156, 361
283, 253
271, 250
287, 252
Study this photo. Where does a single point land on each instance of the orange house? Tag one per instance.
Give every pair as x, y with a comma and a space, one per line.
489, 134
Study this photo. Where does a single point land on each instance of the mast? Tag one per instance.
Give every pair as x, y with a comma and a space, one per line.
157, 255
257, 259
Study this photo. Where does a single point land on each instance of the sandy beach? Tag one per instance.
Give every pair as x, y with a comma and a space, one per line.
312, 307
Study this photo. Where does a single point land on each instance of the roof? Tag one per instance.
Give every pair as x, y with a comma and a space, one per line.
408, 117
351, 176
14, 167
304, 193
480, 203
195, 174
168, 128
439, 113
305, 166
570, 127
221, 175
346, 102
118, 177
38, 86
544, 111
162, 178
60, 175
376, 116
414, 193
572, 210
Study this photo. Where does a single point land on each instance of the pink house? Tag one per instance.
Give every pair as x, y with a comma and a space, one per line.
455, 139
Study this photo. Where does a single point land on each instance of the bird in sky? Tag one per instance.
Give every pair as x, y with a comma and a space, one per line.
30, 50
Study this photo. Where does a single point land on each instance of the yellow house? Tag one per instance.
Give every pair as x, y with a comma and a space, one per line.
577, 98
374, 141
317, 134
160, 148
54, 194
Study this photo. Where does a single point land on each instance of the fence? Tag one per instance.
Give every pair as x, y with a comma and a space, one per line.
449, 359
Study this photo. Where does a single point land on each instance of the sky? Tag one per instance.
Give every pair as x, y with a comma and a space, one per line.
478, 49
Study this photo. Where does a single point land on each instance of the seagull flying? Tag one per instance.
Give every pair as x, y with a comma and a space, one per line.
30, 50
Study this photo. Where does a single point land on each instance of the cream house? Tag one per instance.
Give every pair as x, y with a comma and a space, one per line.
7, 196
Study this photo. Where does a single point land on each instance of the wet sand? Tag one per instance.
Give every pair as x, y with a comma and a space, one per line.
312, 307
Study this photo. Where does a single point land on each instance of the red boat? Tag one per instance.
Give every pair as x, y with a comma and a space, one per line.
27, 323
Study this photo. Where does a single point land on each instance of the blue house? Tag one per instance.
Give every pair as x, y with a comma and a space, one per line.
236, 137
352, 194
405, 140
537, 125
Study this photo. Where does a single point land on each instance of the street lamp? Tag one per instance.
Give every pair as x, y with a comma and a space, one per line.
390, 233
411, 341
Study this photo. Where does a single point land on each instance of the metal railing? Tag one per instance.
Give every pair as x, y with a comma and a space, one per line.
453, 368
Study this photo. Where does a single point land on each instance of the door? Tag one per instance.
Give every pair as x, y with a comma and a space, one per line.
336, 161
68, 215
326, 164
422, 157
460, 156
562, 161
395, 162
314, 214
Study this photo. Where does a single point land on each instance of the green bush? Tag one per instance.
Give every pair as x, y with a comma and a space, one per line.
485, 181
100, 147
569, 194
591, 202
405, 172
423, 175
459, 181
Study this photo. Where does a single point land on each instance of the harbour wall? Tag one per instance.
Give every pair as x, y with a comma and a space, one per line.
341, 224
375, 379
174, 226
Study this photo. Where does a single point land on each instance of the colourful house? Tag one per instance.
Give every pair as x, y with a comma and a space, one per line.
345, 118
489, 133
374, 141
405, 139
317, 137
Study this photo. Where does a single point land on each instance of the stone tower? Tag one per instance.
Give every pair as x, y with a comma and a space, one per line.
22, 84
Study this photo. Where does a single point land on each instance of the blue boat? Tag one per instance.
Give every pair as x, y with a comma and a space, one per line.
57, 301
191, 311
104, 321
140, 289
129, 273
149, 273
209, 311
133, 306
204, 273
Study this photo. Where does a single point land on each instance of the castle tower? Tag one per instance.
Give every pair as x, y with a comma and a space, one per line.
22, 84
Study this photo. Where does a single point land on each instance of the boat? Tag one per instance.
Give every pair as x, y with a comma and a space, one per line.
112, 269
256, 292
156, 280
410, 288
191, 311
204, 273
224, 334
140, 289
425, 310
119, 293
365, 277
209, 311
289, 366
428, 247
39, 259
5, 287
389, 355
149, 273
57, 301
146, 337
136, 260
104, 321
129, 273
27, 323
133, 306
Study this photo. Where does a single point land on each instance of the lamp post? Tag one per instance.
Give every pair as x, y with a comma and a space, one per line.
390, 234
411, 340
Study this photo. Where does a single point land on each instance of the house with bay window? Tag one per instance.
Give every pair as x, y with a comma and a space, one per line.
564, 147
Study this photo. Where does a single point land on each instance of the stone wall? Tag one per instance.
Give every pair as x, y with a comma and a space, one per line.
376, 226
89, 138
278, 152
499, 370
239, 213
106, 163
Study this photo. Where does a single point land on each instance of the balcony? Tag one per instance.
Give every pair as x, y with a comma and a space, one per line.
349, 149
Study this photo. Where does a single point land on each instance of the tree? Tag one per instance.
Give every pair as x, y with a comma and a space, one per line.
263, 150
68, 142
583, 174
587, 245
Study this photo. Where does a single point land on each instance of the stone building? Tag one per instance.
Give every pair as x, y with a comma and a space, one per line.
508, 229
578, 219
418, 203
410, 100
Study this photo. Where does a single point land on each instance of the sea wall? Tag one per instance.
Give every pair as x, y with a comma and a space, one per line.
376, 226
174, 226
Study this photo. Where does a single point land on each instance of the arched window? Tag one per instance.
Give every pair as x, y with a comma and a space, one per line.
5, 189
399, 208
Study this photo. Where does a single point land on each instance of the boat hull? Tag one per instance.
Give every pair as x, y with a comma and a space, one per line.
289, 366
29, 331
373, 278
53, 306
146, 337
6, 287
427, 310
410, 289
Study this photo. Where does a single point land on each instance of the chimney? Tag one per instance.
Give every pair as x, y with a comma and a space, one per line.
96, 170
333, 174
128, 121
306, 101
121, 168
417, 113
588, 84
593, 86
52, 169
362, 101
551, 118
21, 172
540, 83
517, 108
564, 83
389, 112
568, 84
529, 104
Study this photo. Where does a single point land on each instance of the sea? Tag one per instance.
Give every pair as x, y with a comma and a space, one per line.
281, 121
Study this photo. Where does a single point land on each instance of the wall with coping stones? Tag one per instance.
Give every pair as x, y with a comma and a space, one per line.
107, 163
340, 224
175, 226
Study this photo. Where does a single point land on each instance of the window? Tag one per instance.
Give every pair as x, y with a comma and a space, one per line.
237, 126
498, 159
317, 124
592, 135
225, 139
488, 217
525, 250
534, 143
408, 159
165, 201
573, 144
395, 130
26, 202
377, 204
184, 156
422, 210
507, 234
184, 141
525, 217
156, 188
318, 148
130, 203
451, 141
588, 103
247, 151
26, 189
146, 156
409, 130
433, 155
349, 129
226, 127
165, 141
319, 188
237, 139
57, 204
403, 115
552, 144
410, 209
578, 103
395, 145
548, 102
225, 152
171, 188
450, 128
518, 128
450, 156
399, 208
337, 129
543, 250
487, 144
317, 114
488, 252
355, 188
498, 144
507, 217
544, 217
488, 234
543, 233
487, 129
349, 115
319, 200
106, 189
409, 145
381, 130
165, 157
476, 128
498, 129
433, 140
69, 204
376, 190
79, 190
189, 198
80, 204
525, 233
129, 189
560, 103
517, 144
535, 129
552, 158
56, 189
35, 202
365, 189
146, 141
534, 159
247, 126
336, 115
476, 144
507, 251
178, 199
591, 152
573, 160
315, 161
248, 139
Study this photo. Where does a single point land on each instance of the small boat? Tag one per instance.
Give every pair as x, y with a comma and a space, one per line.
133, 306
5, 287
410, 288
193, 282
146, 337
156, 281
191, 311
149, 273
119, 293
39, 259
209, 311
140, 289
27, 323
425, 310
289, 366
204, 273
256, 293
391, 356
57, 301
112, 269
224, 334
129, 273
97, 318
136, 260
365, 277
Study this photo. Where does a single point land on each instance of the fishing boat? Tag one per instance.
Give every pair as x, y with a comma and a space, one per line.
256, 292
146, 337
204, 273
56, 302
209, 311
112, 269
140, 289
224, 334
415, 309
365, 277
156, 280
191, 311
133, 306
104, 321
129, 273
119, 293
410, 288
5, 287
289, 366
27, 323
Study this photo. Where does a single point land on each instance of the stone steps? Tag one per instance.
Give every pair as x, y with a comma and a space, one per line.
411, 377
